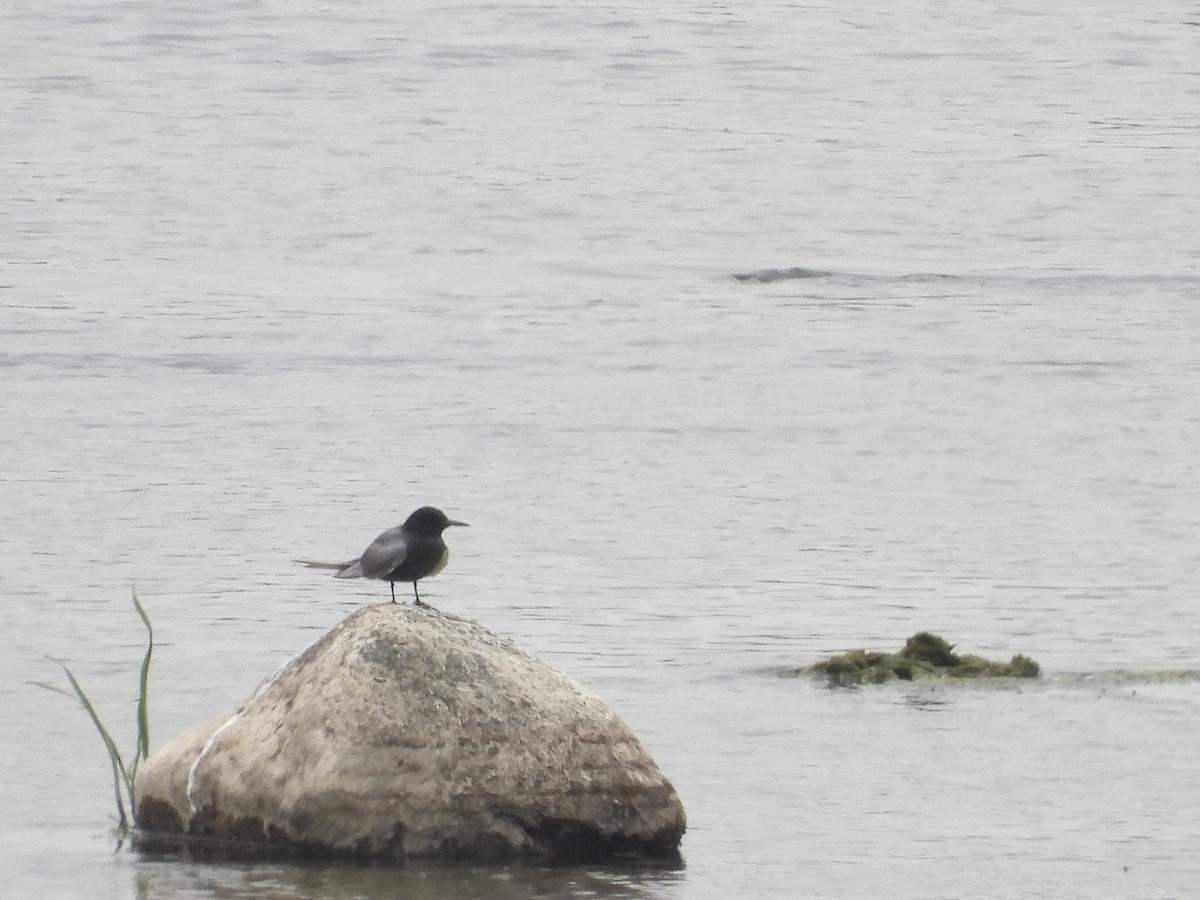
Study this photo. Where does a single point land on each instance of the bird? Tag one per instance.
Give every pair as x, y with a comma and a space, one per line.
408, 552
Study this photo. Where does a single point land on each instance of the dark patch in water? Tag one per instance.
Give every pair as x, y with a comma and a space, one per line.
766, 276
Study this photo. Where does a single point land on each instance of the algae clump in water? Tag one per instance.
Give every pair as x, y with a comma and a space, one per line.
925, 656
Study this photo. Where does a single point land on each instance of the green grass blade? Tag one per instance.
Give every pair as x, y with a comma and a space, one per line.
120, 775
143, 707
53, 687
123, 776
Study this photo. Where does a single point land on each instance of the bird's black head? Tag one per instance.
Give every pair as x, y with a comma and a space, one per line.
429, 520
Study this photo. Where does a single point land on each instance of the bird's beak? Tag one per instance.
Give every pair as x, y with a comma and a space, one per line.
463, 524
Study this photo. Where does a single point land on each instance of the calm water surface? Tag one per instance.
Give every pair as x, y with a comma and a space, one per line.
274, 276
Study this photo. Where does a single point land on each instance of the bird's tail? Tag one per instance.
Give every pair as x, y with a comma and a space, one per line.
352, 569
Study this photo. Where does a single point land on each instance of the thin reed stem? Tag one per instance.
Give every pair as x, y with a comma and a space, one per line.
123, 776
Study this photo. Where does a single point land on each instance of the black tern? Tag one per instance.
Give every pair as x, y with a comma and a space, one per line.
408, 552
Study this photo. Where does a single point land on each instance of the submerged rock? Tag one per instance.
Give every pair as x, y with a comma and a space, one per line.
924, 656
405, 732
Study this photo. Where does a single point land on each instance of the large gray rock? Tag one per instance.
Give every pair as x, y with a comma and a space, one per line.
406, 732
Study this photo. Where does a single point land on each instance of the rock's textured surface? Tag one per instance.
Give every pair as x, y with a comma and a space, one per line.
407, 732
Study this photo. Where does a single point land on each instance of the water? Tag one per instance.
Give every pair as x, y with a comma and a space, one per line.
274, 276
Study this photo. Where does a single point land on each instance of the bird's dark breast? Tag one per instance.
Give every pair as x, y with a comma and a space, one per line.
421, 561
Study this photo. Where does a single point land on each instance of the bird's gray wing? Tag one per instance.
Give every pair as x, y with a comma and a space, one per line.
352, 569
385, 554
313, 564
344, 569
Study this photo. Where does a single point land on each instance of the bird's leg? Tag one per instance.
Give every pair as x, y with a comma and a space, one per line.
393, 584
418, 601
